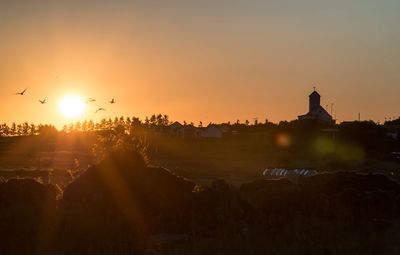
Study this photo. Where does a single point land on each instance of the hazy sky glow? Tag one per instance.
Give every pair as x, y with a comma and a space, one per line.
200, 60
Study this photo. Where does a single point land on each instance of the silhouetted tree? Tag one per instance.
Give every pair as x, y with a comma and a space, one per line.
84, 126
121, 121
4, 130
32, 129
78, 126
109, 124
47, 130
25, 129
71, 127
159, 120
153, 120
103, 124
90, 125
166, 120
19, 130
13, 129
116, 122
136, 122
128, 121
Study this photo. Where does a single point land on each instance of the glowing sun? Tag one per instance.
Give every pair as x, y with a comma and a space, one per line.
72, 106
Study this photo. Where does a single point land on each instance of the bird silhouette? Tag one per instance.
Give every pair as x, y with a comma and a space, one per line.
100, 109
90, 100
43, 101
112, 101
21, 93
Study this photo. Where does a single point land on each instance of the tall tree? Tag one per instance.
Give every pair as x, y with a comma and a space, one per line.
25, 128
166, 120
159, 120
91, 125
78, 126
103, 124
19, 130
85, 126
153, 120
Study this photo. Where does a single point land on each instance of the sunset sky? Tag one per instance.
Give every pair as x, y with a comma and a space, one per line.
209, 60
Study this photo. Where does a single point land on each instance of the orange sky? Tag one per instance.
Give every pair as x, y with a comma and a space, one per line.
200, 60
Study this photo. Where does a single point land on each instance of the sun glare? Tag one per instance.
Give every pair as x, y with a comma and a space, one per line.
72, 106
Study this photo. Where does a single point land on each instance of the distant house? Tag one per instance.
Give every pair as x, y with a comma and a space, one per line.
225, 128
188, 131
212, 131
174, 127
316, 111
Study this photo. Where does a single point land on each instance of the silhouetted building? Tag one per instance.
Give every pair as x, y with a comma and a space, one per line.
316, 111
188, 131
212, 131
174, 127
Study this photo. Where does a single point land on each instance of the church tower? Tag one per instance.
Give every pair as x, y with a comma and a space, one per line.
316, 111
315, 100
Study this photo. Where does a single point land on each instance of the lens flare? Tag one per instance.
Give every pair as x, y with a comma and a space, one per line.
283, 140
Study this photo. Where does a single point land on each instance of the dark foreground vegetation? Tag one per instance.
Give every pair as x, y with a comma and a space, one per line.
101, 188
122, 206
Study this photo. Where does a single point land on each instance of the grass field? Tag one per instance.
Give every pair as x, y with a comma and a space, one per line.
237, 158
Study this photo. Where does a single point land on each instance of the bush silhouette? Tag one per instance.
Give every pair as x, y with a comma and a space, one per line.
129, 199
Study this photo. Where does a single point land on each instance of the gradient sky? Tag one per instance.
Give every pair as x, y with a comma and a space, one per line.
209, 60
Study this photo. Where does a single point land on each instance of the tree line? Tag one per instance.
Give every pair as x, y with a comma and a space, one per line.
30, 129
161, 121
25, 129
125, 123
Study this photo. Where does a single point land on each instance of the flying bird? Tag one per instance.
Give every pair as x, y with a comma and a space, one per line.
21, 93
90, 100
112, 101
43, 101
100, 109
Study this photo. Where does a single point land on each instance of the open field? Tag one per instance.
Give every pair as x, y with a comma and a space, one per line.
237, 158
